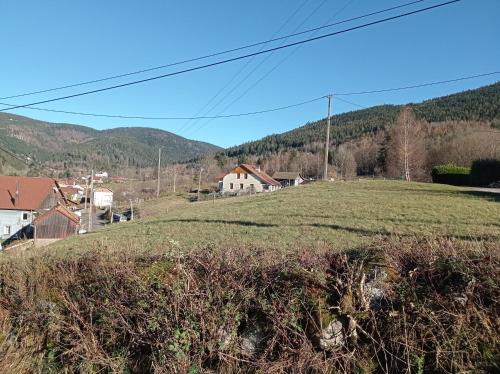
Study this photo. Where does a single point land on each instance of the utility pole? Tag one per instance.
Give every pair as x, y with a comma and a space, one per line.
175, 174
159, 166
406, 161
131, 211
199, 183
86, 192
91, 199
327, 142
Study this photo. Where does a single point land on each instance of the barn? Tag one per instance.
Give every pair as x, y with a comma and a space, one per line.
21, 199
57, 223
288, 178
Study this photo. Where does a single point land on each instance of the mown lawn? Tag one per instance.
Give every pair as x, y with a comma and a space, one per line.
342, 215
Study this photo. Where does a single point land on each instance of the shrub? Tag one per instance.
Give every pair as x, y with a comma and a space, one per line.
484, 172
395, 307
451, 174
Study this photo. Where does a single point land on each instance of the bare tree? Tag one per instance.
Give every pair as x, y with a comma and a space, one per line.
344, 161
406, 147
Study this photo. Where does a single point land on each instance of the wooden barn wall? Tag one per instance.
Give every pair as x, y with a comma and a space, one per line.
51, 200
55, 226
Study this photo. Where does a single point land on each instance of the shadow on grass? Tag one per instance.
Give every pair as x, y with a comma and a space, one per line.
227, 222
491, 196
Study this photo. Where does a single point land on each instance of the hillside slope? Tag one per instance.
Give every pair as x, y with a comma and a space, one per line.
482, 104
73, 146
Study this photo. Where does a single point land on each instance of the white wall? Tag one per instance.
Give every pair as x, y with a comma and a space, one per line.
14, 219
103, 198
233, 178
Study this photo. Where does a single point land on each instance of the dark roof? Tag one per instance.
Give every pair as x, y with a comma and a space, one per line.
25, 193
286, 175
260, 174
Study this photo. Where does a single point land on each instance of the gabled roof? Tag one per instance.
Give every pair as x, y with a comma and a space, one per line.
260, 175
57, 210
26, 193
286, 175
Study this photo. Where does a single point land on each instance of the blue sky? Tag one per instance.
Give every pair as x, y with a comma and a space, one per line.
52, 43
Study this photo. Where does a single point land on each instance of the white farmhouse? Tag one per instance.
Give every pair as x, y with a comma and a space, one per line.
248, 178
103, 197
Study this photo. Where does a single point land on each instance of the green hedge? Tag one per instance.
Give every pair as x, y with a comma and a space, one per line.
451, 174
484, 172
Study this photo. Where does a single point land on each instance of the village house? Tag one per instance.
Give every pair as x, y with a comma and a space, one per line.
288, 178
247, 178
24, 198
103, 197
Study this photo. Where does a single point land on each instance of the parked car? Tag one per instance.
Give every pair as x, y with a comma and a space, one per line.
119, 218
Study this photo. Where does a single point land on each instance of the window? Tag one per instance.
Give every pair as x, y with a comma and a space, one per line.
230, 186
238, 176
25, 216
252, 186
246, 176
241, 186
6, 230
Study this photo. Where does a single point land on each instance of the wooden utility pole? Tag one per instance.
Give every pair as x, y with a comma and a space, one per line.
175, 174
131, 211
199, 183
91, 199
327, 142
86, 192
159, 167
406, 161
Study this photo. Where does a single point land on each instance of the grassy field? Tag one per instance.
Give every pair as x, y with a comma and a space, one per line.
341, 214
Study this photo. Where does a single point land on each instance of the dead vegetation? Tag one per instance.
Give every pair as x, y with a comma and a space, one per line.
399, 306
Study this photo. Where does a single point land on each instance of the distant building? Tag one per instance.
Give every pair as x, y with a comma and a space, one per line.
103, 197
288, 178
57, 223
248, 178
102, 174
74, 193
22, 199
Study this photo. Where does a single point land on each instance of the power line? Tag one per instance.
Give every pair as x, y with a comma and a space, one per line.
349, 102
203, 110
269, 72
335, 95
209, 55
202, 125
239, 57
416, 85
179, 118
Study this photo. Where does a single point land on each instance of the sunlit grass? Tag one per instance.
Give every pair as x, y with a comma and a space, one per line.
342, 214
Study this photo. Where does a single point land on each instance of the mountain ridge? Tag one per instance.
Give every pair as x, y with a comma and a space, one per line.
63, 146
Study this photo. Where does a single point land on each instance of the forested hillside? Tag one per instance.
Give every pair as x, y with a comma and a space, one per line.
30, 144
482, 104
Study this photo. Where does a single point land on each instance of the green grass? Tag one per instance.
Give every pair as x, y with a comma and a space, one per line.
342, 214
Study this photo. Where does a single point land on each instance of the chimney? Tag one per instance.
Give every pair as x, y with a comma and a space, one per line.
17, 191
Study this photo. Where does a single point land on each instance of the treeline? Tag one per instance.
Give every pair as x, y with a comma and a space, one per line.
482, 104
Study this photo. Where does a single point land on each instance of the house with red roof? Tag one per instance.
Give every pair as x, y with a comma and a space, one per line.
24, 198
248, 178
